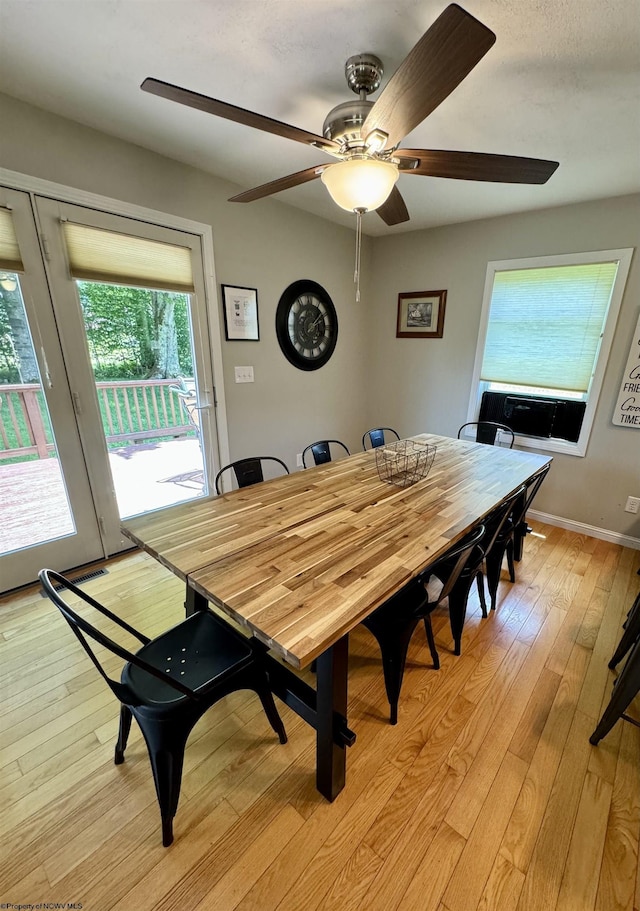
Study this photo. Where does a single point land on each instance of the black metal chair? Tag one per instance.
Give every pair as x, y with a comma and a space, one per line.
511, 536
394, 622
321, 451
627, 685
488, 432
376, 437
472, 570
630, 635
247, 471
169, 683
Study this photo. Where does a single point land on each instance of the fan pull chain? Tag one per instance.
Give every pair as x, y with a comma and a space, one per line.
356, 274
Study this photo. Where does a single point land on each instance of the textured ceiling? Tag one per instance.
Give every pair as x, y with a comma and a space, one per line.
561, 82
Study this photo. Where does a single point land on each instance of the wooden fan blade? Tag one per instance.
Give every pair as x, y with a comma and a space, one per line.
446, 53
394, 210
478, 166
282, 183
231, 112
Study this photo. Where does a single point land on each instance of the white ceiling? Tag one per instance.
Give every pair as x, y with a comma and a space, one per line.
561, 82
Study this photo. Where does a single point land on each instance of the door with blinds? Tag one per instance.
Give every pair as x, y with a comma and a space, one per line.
124, 318
47, 515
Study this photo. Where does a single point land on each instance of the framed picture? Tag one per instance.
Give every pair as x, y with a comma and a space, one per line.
240, 314
421, 314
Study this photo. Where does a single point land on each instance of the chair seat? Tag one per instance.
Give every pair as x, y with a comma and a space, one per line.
199, 652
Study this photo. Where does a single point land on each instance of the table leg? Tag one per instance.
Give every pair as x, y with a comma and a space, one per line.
331, 681
194, 601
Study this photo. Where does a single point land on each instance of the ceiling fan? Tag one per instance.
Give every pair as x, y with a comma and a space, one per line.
364, 135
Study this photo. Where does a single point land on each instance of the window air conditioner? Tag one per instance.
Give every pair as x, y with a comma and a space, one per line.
535, 416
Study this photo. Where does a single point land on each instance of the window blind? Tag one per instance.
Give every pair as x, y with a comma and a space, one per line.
10, 259
99, 255
545, 325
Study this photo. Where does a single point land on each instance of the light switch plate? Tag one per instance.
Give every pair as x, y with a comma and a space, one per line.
244, 374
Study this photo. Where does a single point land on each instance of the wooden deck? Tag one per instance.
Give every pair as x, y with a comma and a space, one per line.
147, 476
486, 796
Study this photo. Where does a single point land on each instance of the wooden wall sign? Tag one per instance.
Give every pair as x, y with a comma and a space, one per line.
627, 410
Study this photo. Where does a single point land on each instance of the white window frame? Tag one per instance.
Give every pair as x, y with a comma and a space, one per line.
623, 257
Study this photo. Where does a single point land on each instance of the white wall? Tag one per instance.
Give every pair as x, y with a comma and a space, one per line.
424, 384
264, 245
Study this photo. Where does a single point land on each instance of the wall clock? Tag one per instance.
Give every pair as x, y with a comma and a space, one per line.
306, 325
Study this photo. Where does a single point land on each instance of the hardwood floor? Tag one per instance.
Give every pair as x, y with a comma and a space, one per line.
486, 796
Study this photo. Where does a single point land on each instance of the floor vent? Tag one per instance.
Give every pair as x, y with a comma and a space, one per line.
83, 578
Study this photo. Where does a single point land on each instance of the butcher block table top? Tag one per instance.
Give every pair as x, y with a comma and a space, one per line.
300, 560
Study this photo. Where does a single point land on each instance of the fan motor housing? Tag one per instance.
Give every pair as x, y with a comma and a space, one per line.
343, 123
364, 73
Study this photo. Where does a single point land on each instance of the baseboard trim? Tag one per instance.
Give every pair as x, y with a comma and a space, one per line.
582, 528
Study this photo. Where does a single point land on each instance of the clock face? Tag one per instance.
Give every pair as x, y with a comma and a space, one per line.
306, 325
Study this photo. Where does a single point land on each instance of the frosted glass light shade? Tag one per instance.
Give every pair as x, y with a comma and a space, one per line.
360, 183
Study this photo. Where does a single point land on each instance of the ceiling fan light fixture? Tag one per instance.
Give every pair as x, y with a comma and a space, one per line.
360, 183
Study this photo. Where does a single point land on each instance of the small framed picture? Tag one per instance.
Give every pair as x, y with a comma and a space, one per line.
240, 307
421, 314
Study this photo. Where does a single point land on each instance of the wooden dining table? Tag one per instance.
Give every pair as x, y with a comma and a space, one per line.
300, 560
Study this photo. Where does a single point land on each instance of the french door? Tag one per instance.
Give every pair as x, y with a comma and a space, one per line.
91, 433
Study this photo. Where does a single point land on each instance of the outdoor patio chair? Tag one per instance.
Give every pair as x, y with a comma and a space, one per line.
189, 406
169, 683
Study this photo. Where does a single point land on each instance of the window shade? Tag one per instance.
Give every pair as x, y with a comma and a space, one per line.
10, 259
99, 255
545, 325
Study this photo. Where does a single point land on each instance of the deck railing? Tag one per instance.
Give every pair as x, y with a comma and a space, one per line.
132, 410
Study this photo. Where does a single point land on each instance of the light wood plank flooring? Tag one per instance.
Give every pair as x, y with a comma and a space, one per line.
485, 797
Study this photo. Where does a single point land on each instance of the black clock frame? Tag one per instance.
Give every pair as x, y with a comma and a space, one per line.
288, 298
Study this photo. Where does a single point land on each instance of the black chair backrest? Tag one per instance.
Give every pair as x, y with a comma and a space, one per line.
487, 431
461, 553
532, 487
247, 471
321, 451
375, 437
496, 519
83, 629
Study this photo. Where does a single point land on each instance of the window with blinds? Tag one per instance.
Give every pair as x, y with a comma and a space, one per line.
546, 330
545, 325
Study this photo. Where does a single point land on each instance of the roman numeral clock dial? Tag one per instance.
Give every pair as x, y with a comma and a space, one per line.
306, 325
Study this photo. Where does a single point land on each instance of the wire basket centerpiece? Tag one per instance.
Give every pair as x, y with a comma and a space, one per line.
405, 462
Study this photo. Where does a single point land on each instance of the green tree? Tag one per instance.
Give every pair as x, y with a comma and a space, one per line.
18, 361
133, 333
136, 333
